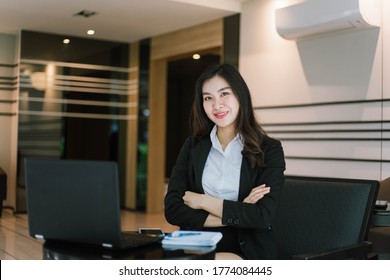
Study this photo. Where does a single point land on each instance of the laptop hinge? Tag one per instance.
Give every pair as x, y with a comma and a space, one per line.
39, 236
106, 245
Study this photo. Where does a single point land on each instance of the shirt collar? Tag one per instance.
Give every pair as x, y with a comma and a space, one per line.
215, 141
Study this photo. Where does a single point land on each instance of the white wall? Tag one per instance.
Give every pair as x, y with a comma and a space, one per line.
321, 96
386, 85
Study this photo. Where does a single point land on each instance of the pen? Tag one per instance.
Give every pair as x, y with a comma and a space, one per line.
181, 234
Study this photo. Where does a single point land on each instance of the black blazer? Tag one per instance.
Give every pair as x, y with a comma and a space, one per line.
254, 221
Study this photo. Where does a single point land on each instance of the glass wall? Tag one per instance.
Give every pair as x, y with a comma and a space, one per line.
74, 99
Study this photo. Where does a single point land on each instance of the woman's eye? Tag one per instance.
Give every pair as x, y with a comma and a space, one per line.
206, 98
225, 93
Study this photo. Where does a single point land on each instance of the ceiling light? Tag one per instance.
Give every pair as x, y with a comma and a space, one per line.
66, 41
91, 32
196, 56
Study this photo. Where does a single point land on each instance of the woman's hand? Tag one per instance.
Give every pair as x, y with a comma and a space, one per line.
193, 199
206, 202
257, 193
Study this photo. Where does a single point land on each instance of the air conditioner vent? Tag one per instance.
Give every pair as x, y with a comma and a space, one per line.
314, 17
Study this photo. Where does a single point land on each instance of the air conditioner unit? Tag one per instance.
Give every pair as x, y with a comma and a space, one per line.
314, 17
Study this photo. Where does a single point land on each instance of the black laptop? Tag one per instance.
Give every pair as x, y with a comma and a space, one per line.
77, 201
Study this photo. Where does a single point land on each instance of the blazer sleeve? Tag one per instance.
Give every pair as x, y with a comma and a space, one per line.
181, 180
258, 216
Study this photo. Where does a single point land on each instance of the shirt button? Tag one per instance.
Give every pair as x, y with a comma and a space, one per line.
236, 222
230, 220
242, 243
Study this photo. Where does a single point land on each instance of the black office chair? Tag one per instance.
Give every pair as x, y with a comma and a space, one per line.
325, 218
379, 233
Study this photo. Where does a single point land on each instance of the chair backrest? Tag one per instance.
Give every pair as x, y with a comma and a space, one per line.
317, 214
384, 190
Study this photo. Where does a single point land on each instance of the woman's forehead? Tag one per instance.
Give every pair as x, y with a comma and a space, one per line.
214, 85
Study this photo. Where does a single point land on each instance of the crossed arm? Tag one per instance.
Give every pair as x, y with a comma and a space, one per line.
214, 206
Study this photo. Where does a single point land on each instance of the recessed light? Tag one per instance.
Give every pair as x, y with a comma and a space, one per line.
196, 56
66, 41
91, 32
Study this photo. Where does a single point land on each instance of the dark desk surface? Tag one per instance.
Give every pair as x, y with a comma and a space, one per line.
60, 251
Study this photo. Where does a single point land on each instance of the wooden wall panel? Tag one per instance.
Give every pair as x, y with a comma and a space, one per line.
201, 37
132, 132
8, 112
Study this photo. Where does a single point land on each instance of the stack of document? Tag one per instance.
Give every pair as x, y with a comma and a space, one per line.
192, 238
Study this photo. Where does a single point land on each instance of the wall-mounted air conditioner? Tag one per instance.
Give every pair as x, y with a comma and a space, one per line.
313, 17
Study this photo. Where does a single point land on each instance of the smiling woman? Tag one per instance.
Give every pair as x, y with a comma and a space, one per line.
221, 107
229, 173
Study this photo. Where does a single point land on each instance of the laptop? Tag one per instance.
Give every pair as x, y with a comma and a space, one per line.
77, 201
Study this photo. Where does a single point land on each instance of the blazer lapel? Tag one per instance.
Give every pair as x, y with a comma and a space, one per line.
199, 155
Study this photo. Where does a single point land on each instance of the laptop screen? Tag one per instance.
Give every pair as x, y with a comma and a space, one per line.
73, 200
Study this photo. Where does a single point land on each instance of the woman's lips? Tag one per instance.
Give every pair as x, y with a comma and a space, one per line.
220, 115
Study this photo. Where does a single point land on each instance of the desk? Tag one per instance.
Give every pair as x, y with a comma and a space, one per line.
57, 251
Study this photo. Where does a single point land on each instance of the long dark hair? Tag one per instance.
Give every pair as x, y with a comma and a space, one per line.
246, 123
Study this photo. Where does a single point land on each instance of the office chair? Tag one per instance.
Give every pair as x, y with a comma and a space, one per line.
324, 218
379, 233
384, 189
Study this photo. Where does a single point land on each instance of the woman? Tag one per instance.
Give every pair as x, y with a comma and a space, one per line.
229, 173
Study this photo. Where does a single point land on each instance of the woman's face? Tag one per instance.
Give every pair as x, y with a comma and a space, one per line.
220, 103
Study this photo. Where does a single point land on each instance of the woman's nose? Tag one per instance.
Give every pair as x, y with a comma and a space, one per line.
217, 104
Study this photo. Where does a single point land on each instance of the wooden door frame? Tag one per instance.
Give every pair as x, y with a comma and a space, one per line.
164, 48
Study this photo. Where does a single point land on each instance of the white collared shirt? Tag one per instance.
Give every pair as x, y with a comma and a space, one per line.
221, 174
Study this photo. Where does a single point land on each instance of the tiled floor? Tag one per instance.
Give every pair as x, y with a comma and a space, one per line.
15, 242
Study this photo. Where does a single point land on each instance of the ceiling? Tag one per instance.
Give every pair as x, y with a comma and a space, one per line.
115, 20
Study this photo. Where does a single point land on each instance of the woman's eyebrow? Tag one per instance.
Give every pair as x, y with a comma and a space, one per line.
221, 89
225, 88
